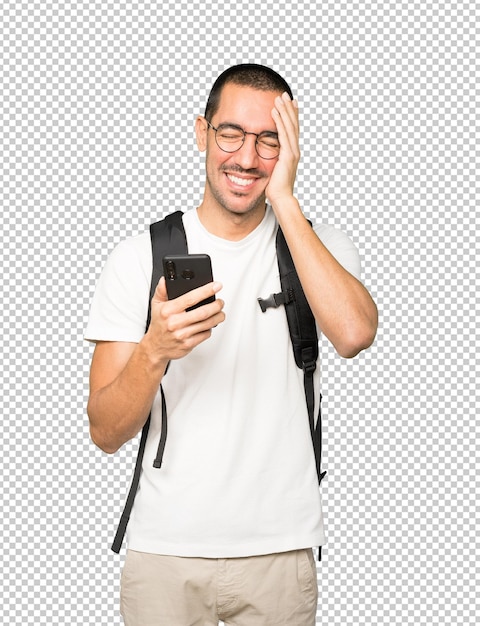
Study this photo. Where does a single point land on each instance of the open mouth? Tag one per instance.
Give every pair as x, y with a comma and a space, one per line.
245, 183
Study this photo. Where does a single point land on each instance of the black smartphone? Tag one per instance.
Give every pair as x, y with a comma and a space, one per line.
184, 272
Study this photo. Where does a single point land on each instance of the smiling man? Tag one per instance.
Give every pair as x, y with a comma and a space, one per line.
239, 162
225, 529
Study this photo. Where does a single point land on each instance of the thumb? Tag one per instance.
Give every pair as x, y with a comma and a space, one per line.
160, 294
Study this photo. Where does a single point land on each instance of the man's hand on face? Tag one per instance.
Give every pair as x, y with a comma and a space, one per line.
282, 180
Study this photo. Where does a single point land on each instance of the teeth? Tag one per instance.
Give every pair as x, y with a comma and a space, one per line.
240, 181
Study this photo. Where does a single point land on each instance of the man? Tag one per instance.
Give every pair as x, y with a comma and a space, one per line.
225, 529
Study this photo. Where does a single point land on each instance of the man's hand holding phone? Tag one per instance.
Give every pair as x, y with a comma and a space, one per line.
178, 326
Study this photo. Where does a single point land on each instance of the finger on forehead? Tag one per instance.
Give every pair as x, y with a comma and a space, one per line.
287, 109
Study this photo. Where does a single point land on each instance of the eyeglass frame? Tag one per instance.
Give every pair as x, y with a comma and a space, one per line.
245, 133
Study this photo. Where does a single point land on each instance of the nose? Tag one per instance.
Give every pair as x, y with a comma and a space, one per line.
247, 157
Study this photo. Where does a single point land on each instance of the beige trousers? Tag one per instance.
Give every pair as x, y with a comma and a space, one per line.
271, 590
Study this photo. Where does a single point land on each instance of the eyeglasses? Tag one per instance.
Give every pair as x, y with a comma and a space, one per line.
231, 138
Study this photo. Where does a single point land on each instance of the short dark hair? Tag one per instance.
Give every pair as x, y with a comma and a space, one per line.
249, 75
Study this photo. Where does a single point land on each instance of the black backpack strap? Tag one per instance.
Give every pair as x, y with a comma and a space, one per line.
122, 526
303, 334
304, 337
167, 237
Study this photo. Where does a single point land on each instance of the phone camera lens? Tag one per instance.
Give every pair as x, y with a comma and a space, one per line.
188, 274
170, 270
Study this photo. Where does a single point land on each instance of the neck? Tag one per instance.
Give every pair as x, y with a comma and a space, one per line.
227, 224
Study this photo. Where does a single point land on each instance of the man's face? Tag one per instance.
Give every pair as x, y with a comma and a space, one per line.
237, 181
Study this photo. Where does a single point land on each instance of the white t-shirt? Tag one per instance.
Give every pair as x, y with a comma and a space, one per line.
238, 476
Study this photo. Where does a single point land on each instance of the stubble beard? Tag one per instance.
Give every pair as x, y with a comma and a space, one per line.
256, 204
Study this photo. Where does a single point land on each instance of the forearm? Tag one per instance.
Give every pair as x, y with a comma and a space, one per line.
343, 308
119, 409
125, 377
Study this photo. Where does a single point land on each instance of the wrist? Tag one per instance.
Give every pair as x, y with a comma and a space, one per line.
286, 204
152, 357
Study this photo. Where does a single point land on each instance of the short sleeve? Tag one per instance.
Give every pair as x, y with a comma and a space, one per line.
120, 303
341, 247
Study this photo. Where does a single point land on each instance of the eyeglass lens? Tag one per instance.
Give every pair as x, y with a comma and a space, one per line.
231, 138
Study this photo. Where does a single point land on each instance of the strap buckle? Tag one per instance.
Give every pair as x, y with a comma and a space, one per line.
309, 364
309, 367
275, 300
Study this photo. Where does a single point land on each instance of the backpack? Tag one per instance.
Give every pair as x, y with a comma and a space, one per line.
168, 237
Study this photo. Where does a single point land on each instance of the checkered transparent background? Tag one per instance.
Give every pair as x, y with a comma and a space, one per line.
97, 106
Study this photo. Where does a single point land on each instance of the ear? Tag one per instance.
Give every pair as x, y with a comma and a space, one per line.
201, 129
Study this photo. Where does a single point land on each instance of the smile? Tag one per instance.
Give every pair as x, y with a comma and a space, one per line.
243, 182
